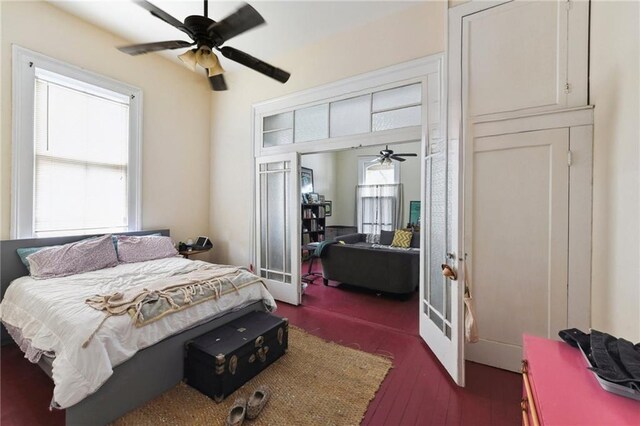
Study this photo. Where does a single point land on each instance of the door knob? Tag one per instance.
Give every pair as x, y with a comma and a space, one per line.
448, 272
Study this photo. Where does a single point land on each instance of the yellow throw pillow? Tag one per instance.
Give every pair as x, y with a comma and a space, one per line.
401, 238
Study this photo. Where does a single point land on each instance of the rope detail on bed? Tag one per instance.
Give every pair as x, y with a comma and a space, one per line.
169, 295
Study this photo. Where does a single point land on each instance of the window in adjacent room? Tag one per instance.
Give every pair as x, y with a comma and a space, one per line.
378, 195
84, 165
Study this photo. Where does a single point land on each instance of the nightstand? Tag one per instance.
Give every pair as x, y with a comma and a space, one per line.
187, 253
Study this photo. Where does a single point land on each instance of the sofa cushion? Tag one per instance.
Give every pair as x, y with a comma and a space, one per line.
402, 238
415, 240
386, 237
372, 238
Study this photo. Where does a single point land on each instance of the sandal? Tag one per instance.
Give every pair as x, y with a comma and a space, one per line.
257, 401
237, 413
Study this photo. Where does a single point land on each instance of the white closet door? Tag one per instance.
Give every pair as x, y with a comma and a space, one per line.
519, 210
524, 57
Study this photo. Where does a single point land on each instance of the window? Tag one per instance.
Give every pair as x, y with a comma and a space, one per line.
372, 172
378, 195
76, 171
379, 110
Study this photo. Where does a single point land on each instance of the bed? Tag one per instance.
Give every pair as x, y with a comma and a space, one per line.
149, 372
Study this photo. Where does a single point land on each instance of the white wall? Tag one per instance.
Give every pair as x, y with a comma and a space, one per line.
615, 92
176, 122
410, 34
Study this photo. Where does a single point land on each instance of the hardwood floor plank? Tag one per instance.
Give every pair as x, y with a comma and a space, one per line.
417, 390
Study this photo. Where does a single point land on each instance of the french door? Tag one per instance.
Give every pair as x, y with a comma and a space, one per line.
441, 312
277, 225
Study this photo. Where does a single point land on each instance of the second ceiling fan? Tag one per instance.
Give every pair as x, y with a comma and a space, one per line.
208, 35
386, 155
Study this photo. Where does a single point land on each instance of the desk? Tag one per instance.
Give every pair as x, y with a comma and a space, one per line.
310, 276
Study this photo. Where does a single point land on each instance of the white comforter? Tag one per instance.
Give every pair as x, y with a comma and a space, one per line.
53, 315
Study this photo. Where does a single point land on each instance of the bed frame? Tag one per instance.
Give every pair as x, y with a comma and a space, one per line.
149, 373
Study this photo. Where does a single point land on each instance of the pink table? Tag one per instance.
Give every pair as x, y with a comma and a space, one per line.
566, 393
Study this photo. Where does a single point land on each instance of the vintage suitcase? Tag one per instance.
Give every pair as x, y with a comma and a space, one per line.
220, 361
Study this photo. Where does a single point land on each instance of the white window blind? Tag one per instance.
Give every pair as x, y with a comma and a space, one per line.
81, 174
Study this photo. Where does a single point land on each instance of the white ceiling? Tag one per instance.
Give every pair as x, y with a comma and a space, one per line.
290, 24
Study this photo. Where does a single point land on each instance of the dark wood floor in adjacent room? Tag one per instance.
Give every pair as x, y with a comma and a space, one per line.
417, 390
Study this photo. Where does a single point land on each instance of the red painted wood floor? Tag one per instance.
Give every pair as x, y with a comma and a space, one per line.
417, 391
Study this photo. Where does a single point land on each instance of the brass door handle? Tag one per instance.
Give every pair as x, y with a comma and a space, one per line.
449, 272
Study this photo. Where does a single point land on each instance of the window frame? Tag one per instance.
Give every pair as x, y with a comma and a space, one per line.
363, 160
23, 162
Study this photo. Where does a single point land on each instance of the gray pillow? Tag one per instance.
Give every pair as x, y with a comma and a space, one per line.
133, 248
73, 258
386, 237
415, 240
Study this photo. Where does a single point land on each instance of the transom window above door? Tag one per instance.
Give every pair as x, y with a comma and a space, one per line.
376, 111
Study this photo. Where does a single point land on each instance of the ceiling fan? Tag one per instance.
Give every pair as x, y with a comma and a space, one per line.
386, 155
209, 35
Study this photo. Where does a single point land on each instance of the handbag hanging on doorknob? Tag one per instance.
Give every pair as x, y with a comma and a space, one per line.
470, 325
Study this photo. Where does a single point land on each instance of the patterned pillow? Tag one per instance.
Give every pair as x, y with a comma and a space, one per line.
24, 252
402, 238
73, 258
372, 238
133, 248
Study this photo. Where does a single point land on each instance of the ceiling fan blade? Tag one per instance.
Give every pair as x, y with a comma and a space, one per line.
377, 160
243, 19
395, 157
255, 64
217, 83
410, 154
161, 14
139, 49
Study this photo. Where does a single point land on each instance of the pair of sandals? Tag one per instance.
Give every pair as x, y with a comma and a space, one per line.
250, 409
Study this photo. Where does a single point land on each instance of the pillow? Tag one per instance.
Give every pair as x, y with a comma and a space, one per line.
73, 258
372, 238
415, 240
114, 238
402, 238
26, 251
386, 237
133, 248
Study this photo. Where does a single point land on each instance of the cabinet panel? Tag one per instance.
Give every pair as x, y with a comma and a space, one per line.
519, 229
515, 57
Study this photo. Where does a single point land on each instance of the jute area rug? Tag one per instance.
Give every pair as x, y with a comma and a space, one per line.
315, 383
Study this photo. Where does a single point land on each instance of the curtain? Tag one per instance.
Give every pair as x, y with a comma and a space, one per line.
379, 208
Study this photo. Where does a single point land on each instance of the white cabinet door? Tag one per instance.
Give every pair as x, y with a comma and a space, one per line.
278, 225
525, 57
518, 229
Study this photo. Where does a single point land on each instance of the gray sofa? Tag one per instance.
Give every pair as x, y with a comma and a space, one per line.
371, 266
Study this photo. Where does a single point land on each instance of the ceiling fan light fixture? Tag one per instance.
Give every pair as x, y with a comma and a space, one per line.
189, 59
217, 68
205, 57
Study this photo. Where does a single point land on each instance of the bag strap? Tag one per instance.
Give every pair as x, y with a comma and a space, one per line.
467, 280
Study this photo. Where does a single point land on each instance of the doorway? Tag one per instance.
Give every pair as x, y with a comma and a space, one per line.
350, 198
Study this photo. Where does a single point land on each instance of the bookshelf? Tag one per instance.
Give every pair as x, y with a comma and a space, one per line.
313, 223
